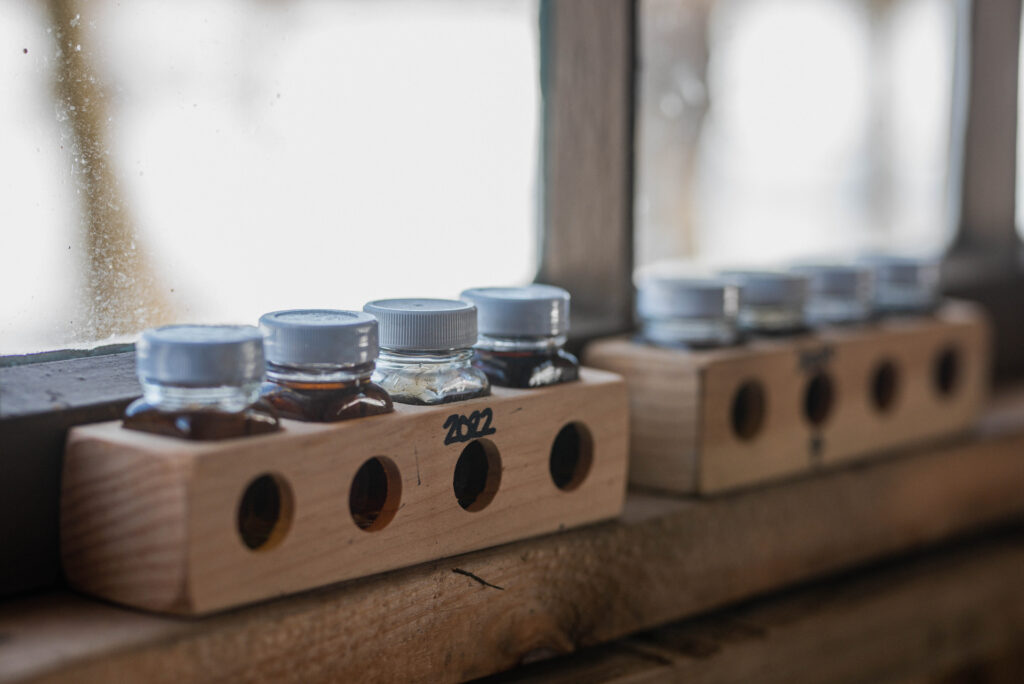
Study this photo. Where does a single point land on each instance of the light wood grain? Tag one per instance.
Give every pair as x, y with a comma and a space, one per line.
683, 437
858, 429
947, 614
665, 559
150, 521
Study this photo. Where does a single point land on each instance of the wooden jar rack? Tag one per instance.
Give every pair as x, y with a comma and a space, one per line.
715, 420
187, 527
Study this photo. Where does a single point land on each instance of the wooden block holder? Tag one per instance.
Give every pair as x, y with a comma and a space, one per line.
154, 522
714, 420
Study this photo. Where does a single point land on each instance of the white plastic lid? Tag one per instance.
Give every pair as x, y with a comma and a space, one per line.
530, 311
200, 355
319, 337
424, 324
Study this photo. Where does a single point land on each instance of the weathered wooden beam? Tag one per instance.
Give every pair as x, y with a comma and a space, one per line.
950, 616
484, 612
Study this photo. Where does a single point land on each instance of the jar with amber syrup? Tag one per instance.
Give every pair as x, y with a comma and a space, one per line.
201, 382
320, 363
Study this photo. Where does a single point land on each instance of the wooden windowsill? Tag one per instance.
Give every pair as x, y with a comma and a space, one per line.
953, 614
484, 612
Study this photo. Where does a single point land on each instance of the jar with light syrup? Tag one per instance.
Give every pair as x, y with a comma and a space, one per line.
426, 350
904, 284
773, 302
688, 312
838, 293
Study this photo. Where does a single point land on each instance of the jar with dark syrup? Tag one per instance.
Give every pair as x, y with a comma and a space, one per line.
522, 332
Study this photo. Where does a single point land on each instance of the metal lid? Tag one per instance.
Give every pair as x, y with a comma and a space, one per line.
844, 281
911, 270
904, 283
424, 324
530, 311
685, 297
200, 355
770, 288
319, 337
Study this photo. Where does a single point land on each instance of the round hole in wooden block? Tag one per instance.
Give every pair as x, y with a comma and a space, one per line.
885, 382
477, 475
946, 371
819, 397
571, 456
265, 512
375, 494
748, 409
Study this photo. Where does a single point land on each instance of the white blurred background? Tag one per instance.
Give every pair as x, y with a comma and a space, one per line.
266, 153
211, 161
775, 130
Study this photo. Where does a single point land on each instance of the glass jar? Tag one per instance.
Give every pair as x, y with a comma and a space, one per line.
319, 365
426, 350
522, 332
904, 284
201, 382
689, 312
838, 294
773, 302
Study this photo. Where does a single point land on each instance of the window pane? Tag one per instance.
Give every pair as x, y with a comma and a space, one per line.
778, 129
207, 162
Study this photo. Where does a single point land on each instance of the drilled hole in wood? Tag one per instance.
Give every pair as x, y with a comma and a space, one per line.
477, 475
885, 382
265, 512
946, 371
748, 409
571, 456
375, 494
819, 397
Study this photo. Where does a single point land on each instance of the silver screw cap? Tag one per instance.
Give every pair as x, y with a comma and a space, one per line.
770, 288
321, 337
686, 297
424, 324
200, 355
847, 281
838, 293
904, 283
530, 311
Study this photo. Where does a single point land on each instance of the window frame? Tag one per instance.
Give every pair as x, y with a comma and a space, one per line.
983, 262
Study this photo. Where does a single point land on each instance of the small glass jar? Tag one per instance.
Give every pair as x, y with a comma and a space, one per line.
319, 365
426, 350
838, 294
687, 311
773, 302
201, 382
904, 284
522, 332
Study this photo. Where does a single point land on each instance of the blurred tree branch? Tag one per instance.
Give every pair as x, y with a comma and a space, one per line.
120, 293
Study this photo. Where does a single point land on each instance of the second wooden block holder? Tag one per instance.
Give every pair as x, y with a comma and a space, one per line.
715, 420
153, 522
